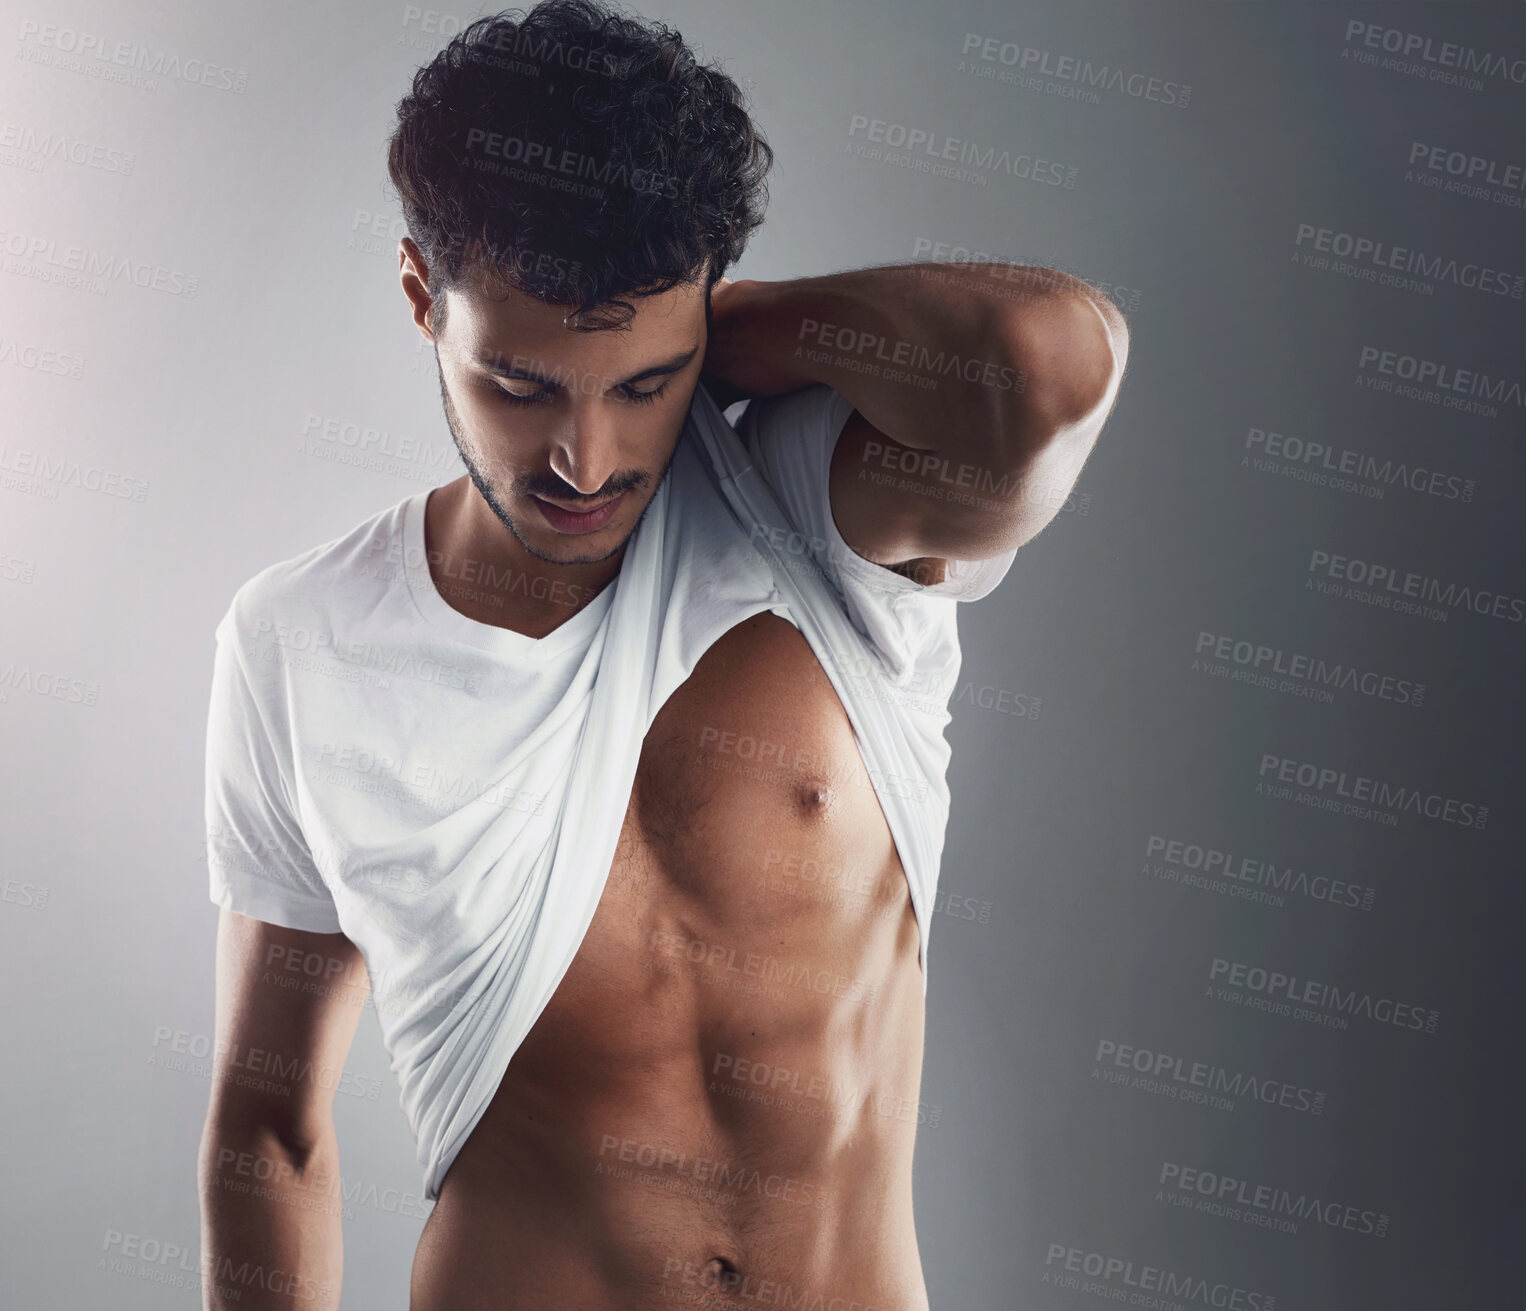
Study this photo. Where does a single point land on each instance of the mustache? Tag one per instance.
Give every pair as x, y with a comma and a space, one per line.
562, 492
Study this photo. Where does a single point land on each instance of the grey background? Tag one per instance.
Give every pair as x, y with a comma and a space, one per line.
1051, 938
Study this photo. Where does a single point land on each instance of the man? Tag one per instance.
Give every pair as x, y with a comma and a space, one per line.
613, 771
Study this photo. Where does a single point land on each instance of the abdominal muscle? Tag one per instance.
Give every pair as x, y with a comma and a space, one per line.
718, 1106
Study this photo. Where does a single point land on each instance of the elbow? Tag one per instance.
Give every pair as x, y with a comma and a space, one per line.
1070, 357
240, 1130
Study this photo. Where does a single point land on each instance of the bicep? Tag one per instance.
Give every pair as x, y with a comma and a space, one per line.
288, 1003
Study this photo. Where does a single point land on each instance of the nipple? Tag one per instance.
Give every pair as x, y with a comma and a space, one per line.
815, 797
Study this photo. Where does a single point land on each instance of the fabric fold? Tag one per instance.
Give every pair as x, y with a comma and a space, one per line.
459, 821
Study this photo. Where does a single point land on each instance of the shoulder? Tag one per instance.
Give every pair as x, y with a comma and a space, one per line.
307, 590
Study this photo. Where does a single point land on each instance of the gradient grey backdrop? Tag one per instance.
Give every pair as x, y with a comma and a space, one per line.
163, 440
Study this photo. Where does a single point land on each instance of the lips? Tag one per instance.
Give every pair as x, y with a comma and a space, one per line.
577, 521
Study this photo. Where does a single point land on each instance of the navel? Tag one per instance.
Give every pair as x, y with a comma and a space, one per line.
722, 1273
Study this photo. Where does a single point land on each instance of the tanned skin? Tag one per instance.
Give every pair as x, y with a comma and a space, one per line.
718, 1107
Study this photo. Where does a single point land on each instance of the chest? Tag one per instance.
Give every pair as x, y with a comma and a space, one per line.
750, 770
753, 832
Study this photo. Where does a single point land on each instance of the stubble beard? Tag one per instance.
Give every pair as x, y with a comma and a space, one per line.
486, 491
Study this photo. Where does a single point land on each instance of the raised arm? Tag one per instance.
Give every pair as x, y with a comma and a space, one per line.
978, 391
287, 1006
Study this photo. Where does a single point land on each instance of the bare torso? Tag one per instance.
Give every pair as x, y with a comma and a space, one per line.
718, 1106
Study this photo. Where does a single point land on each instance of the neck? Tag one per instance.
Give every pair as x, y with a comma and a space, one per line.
482, 570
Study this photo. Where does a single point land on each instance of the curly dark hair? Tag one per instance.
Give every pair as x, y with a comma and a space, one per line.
576, 155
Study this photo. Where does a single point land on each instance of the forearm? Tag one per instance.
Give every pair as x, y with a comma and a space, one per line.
270, 1221
951, 358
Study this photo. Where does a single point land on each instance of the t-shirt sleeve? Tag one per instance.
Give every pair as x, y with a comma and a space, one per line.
257, 859
792, 437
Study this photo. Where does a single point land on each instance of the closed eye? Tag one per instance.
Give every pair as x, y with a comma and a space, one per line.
545, 394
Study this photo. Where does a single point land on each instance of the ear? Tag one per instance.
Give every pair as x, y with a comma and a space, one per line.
413, 273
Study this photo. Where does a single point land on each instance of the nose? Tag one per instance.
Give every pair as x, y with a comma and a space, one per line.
587, 451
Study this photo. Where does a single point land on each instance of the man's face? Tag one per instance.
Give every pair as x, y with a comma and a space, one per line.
547, 417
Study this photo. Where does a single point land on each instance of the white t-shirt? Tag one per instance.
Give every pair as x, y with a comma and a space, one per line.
448, 794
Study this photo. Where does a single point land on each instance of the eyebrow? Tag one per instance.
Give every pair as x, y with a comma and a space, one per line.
496, 365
